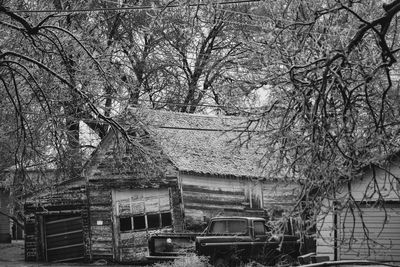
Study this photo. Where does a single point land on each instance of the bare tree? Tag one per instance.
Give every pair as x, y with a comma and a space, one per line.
332, 107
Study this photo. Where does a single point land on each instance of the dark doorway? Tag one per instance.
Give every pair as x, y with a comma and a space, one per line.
64, 238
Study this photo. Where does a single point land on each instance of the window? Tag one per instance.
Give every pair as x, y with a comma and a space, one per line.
237, 226
125, 224
166, 219
217, 227
139, 222
141, 209
259, 228
229, 227
153, 220
147, 221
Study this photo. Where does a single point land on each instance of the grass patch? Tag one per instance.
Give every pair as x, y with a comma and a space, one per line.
190, 260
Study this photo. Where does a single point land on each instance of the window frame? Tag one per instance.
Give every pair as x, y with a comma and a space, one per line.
147, 203
146, 221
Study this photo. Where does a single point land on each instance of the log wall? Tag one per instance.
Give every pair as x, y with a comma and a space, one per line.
208, 196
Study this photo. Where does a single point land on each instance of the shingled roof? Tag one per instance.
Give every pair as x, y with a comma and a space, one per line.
205, 144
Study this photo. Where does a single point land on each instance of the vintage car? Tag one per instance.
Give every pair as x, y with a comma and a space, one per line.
228, 241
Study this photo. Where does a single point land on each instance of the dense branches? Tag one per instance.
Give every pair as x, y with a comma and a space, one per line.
333, 92
327, 72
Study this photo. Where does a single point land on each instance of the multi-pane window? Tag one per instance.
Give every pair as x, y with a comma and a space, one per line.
143, 209
146, 221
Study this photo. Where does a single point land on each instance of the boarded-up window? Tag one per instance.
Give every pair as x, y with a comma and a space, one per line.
141, 209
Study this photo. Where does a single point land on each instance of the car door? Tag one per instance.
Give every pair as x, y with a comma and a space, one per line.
262, 250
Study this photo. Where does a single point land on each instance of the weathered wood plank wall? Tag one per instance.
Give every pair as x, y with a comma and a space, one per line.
66, 200
114, 168
208, 196
101, 223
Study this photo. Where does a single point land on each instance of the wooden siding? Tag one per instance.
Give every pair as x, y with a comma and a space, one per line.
371, 237
106, 238
279, 195
325, 232
131, 245
114, 172
364, 190
208, 196
118, 164
64, 238
376, 179
66, 199
101, 223
4, 220
36, 230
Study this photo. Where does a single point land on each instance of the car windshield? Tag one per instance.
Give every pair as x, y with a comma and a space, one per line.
228, 227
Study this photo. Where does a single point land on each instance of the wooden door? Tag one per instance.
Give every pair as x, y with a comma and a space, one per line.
64, 238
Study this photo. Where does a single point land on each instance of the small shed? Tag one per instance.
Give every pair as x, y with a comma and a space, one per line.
172, 173
369, 226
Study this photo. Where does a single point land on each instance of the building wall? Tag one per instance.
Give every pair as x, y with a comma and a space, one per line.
325, 231
351, 225
117, 169
69, 200
385, 183
279, 195
208, 196
5, 234
101, 224
375, 237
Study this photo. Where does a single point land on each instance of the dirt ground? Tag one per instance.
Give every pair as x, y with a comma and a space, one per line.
12, 252
12, 255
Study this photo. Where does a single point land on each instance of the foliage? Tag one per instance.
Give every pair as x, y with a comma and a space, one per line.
60, 70
191, 260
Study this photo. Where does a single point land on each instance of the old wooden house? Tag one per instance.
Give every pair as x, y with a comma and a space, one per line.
221, 165
371, 228
175, 172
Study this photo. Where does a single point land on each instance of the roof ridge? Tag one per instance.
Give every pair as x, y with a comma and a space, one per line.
138, 109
